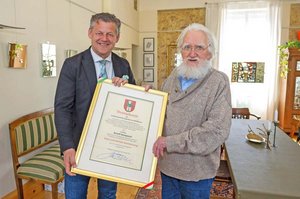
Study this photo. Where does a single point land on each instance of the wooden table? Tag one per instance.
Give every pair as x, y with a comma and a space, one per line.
261, 173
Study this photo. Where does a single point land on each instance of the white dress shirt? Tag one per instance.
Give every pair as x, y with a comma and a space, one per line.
109, 67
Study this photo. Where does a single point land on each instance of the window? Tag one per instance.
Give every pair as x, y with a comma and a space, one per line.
248, 34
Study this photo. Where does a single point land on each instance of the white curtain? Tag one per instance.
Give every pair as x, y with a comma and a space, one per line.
249, 32
212, 22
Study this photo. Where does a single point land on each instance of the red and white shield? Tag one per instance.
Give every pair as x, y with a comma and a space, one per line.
129, 105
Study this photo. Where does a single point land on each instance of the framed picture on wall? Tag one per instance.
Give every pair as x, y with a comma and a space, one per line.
248, 72
70, 53
148, 59
148, 75
148, 44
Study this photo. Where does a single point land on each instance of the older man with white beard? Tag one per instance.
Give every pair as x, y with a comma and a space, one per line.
197, 120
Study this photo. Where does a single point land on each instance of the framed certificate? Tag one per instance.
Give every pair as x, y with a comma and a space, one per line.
121, 127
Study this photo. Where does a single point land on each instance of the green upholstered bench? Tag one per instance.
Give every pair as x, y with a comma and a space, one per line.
28, 134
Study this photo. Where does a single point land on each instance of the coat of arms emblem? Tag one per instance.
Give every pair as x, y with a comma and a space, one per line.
129, 105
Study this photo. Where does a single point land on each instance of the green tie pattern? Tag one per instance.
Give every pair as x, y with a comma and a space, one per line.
102, 74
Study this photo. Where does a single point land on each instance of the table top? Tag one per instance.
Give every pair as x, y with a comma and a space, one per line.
258, 172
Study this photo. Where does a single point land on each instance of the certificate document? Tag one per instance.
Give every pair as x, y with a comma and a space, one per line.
121, 127
123, 131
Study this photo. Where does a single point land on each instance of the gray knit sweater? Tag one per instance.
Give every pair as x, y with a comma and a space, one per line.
197, 122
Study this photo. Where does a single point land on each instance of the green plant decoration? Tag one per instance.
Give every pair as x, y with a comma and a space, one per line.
14, 52
284, 56
17, 55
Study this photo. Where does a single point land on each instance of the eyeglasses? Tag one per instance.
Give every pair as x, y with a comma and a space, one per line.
197, 48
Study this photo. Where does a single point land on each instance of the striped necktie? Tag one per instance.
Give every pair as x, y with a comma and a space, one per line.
102, 74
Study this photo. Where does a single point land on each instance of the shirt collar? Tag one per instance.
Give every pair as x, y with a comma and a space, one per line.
181, 78
97, 58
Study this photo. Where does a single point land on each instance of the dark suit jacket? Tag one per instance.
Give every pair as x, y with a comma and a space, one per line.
74, 92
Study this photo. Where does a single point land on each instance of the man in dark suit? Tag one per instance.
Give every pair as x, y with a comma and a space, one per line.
75, 89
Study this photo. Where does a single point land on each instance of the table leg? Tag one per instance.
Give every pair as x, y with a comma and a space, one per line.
293, 129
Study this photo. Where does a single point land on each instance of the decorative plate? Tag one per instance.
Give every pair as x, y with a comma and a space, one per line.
255, 138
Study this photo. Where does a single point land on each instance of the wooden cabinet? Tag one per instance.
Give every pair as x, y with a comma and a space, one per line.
289, 93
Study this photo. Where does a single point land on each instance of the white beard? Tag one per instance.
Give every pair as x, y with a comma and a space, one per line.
194, 72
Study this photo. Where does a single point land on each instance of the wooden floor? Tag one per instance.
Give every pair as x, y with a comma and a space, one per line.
35, 191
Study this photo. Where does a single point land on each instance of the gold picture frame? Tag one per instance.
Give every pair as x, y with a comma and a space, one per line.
17, 55
121, 127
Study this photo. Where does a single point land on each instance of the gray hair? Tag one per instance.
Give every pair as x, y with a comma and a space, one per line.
198, 27
106, 17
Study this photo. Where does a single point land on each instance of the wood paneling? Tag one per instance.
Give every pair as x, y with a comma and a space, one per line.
170, 24
287, 93
294, 21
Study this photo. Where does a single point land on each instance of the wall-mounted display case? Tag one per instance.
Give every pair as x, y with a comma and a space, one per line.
289, 93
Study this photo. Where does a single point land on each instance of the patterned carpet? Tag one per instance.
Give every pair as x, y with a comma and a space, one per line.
220, 190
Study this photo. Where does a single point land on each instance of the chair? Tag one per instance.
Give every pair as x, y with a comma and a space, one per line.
243, 113
35, 132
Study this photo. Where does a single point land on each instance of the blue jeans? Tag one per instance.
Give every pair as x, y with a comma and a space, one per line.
76, 187
173, 188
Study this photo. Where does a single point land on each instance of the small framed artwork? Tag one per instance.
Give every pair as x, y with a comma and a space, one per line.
248, 72
70, 53
148, 75
148, 59
48, 60
17, 55
148, 44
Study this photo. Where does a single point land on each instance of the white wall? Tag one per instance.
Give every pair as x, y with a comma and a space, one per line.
63, 23
24, 90
148, 29
124, 10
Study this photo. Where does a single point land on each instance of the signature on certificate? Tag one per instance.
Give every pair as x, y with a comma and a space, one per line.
115, 156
